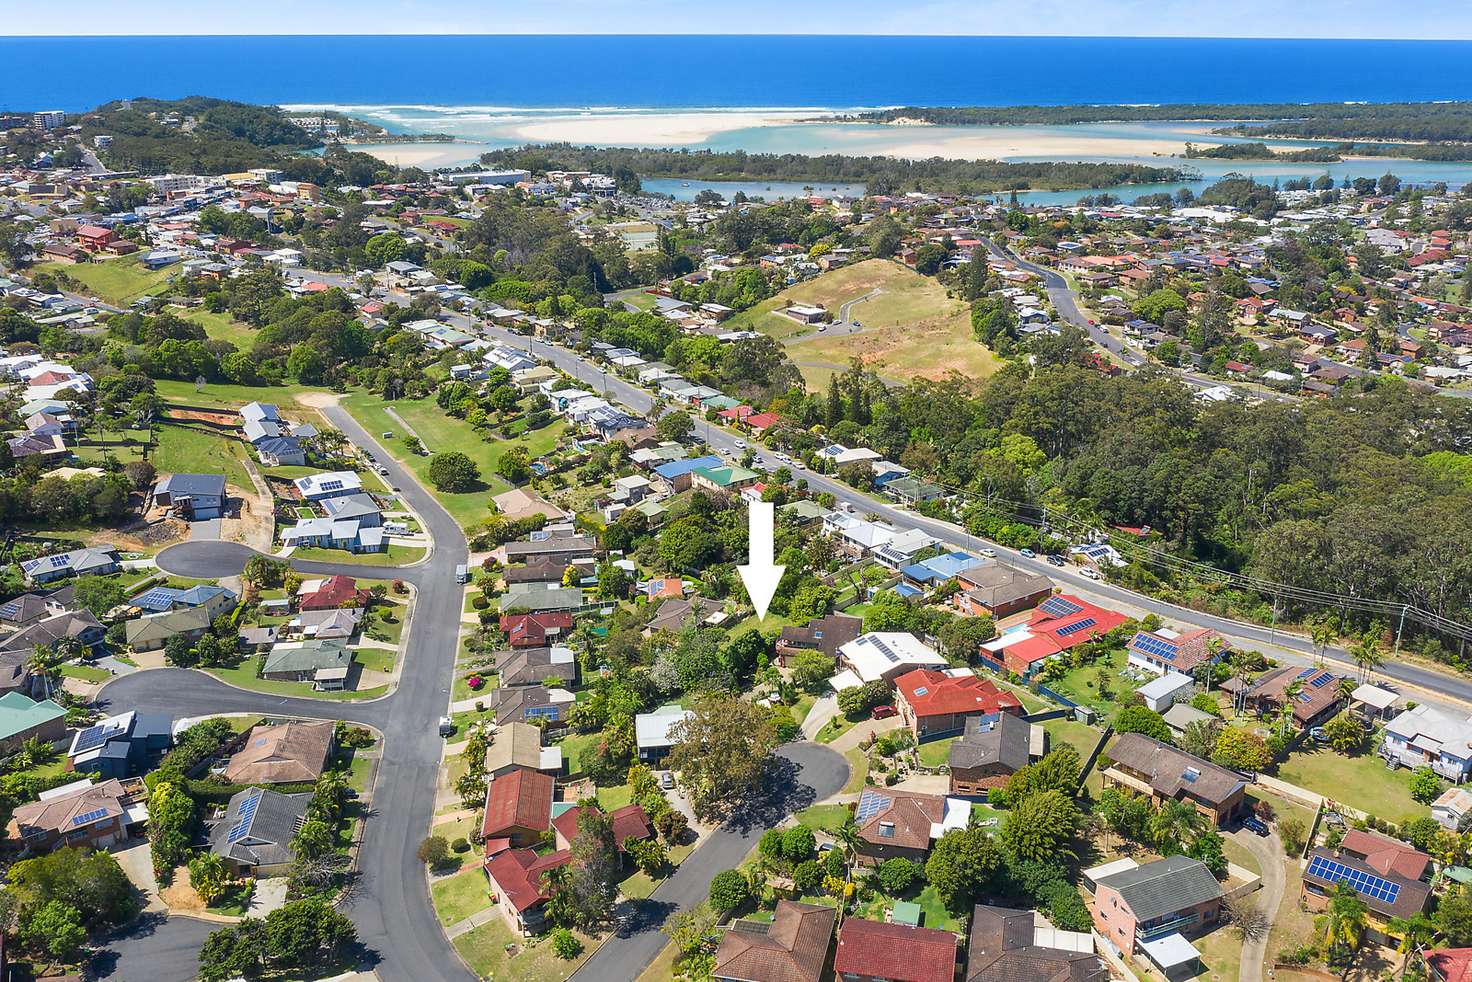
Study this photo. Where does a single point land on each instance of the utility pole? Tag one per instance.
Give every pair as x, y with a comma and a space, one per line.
1400, 627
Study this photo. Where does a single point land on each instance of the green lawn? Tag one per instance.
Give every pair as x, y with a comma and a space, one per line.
178, 449
485, 951
1082, 684
87, 673
118, 281
858, 769
377, 659
223, 327
461, 688
441, 432
837, 725
1082, 736
936, 752
615, 796
933, 913
825, 817
229, 396
234, 901
359, 767
457, 897
244, 676
395, 556
575, 747
1362, 782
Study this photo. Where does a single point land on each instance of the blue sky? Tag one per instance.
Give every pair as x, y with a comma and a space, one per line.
1438, 19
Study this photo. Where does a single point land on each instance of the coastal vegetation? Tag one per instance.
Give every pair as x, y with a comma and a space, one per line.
1261, 151
880, 175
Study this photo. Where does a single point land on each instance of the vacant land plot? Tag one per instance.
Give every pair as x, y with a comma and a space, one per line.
911, 329
1362, 782
118, 281
440, 432
231, 396
223, 327
178, 449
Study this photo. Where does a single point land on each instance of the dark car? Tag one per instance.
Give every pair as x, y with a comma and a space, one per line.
882, 712
1255, 825
1055, 560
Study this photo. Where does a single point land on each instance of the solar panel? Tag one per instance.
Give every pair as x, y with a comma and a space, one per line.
59, 561
1158, 647
1307, 672
1059, 607
91, 738
331, 485
884, 649
871, 803
87, 818
1367, 884
237, 832
1322, 681
1075, 627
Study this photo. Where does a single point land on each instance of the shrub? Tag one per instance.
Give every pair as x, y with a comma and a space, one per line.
461, 844
566, 944
898, 875
479, 602
433, 850
1425, 786
807, 877
728, 890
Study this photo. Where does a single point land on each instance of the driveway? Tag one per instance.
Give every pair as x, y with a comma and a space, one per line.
805, 773
137, 863
204, 530
1268, 851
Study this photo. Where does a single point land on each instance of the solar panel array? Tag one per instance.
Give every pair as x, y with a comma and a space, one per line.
1322, 680
246, 814
1059, 607
871, 803
333, 485
1158, 647
59, 561
1076, 627
87, 818
1366, 884
1307, 672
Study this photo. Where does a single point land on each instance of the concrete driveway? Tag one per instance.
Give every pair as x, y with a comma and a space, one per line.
136, 860
1268, 851
204, 531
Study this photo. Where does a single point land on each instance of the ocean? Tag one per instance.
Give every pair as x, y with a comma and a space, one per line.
724, 72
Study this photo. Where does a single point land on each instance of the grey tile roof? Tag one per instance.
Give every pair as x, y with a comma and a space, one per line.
1165, 886
1001, 739
264, 837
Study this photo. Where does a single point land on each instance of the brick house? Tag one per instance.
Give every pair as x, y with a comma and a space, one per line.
1175, 895
935, 704
519, 807
872, 951
992, 749
1162, 772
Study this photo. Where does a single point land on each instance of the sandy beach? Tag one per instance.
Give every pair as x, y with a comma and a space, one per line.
673, 129
426, 155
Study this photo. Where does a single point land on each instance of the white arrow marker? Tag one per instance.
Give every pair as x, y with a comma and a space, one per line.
760, 574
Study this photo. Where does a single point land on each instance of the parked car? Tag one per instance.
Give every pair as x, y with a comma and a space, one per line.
1318, 734
1054, 559
1255, 825
740, 444
447, 726
667, 780
882, 712
1027, 554
989, 553
1090, 572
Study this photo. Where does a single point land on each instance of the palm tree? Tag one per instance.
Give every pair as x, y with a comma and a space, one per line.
1368, 653
1416, 932
1240, 670
43, 664
1322, 632
1174, 824
847, 838
1290, 694
1342, 928
1213, 652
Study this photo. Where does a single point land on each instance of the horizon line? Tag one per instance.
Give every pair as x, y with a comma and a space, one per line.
662, 34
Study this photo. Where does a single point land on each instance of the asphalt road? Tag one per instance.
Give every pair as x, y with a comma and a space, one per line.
391, 906
805, 773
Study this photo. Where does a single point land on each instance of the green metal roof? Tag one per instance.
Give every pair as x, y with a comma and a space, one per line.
905, 912
19, 713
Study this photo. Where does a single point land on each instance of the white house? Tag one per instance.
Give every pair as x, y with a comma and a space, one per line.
1428, 737
1162, 693
883, 655
652, 731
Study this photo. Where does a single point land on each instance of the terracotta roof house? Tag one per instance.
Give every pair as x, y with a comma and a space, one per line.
630, 824
996, 589
1161, 771
1386, 855
1166, 651
334, 591
534, 630
871, 951
937, 703
79, 814
1057, 624
826, 634
519, 807
991, 750
516, 879
1316, 700
287, 753
1448, 964
902, 824
793, 947
1007, 945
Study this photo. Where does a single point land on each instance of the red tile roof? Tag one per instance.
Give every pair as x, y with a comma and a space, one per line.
1451, 964
895, 952
629, 822
530, 630
333, 593
762, 421
1386, 855
519, 800
518, 874
932, 693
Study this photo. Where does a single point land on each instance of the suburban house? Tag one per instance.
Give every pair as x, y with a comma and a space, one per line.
254, 836
991, 750
523, 703
324, 663
1452, 810
91, 561
529, 666
1429, 737
156, 600
792, 947
352, 535
630, 824
153, 631
286, 753
1148, 909
195, 496
1386, 874
902, 824
120, 745
564, 547
519, 745
653, 732
1447, 964
518, 807
675, 613
874, 951
22, 718
1057, 624
331, 593
1166, 651
81, 814
995, 589
826, 634
534, 630
1007, 945
1314, 693
1164, 691
541, 598
339, 623
1163, 772
330, 484
516, 879
882, 655
940, 703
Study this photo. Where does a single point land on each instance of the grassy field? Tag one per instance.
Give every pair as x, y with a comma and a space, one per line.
395, 556
1362, 782
223, 327
824, 817
457, 897
441, 432
118, 281
1082, 684
179, 450
229, 396
485, 951
911, 329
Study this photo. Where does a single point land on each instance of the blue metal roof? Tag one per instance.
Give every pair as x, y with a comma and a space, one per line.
679, 468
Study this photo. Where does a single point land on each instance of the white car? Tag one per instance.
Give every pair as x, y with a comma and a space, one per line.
740, 444
1090, 572
989, 553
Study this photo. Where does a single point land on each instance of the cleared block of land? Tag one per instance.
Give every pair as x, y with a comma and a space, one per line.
118, 281
911, 329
